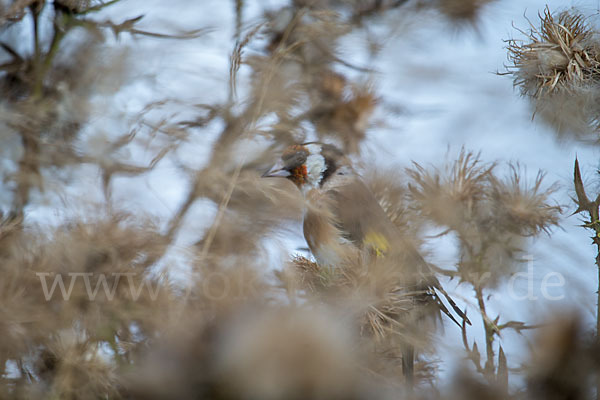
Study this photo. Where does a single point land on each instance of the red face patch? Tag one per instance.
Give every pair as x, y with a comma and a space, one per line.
298, 175
294, 159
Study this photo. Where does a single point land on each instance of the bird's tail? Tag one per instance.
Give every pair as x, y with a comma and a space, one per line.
456, 309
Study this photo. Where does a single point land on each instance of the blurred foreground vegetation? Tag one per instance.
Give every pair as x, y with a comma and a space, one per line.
90, 307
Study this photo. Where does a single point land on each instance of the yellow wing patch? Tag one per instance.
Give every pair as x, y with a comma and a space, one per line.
377, 242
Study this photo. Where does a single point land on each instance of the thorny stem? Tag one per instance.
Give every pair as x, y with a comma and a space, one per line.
28, 168
378, 7
42, 67
596, 240
472, 352
175, 222
239, 5
489, 335
59, 34
489, 369
592, 209
35, 13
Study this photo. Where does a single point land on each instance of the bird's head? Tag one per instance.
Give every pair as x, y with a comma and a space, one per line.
308, 165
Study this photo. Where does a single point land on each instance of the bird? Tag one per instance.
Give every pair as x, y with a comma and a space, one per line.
344, 219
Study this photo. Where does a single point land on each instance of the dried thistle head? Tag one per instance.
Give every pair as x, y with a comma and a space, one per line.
305, 36
287, 352
461, 10
390, 311
572, 113
304, 274
75, 6
266, 351
73, 367
346, 120
490, 216
374, 293
53, 285
451, 196
225, 289
375, 297
332, 84
522, 209
559, 68
562, 54
467, 386
390, 190
15, 11
561, 362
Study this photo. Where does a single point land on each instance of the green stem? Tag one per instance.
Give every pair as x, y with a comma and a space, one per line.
54, 47
42, 67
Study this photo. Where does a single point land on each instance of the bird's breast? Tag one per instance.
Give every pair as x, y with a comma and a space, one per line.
325, 240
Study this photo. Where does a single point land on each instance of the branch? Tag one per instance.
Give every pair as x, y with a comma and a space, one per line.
129, 26
517, 326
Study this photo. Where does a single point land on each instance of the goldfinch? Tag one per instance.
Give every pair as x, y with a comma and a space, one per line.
344, 219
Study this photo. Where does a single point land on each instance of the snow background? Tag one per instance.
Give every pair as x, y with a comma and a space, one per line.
441, 78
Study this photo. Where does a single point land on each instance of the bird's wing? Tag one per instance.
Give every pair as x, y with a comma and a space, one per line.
362, 220
358, 213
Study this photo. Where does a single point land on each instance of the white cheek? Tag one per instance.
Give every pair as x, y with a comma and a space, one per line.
313, 148
315, 165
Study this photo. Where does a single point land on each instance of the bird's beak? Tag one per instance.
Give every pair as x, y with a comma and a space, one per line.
277, 170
